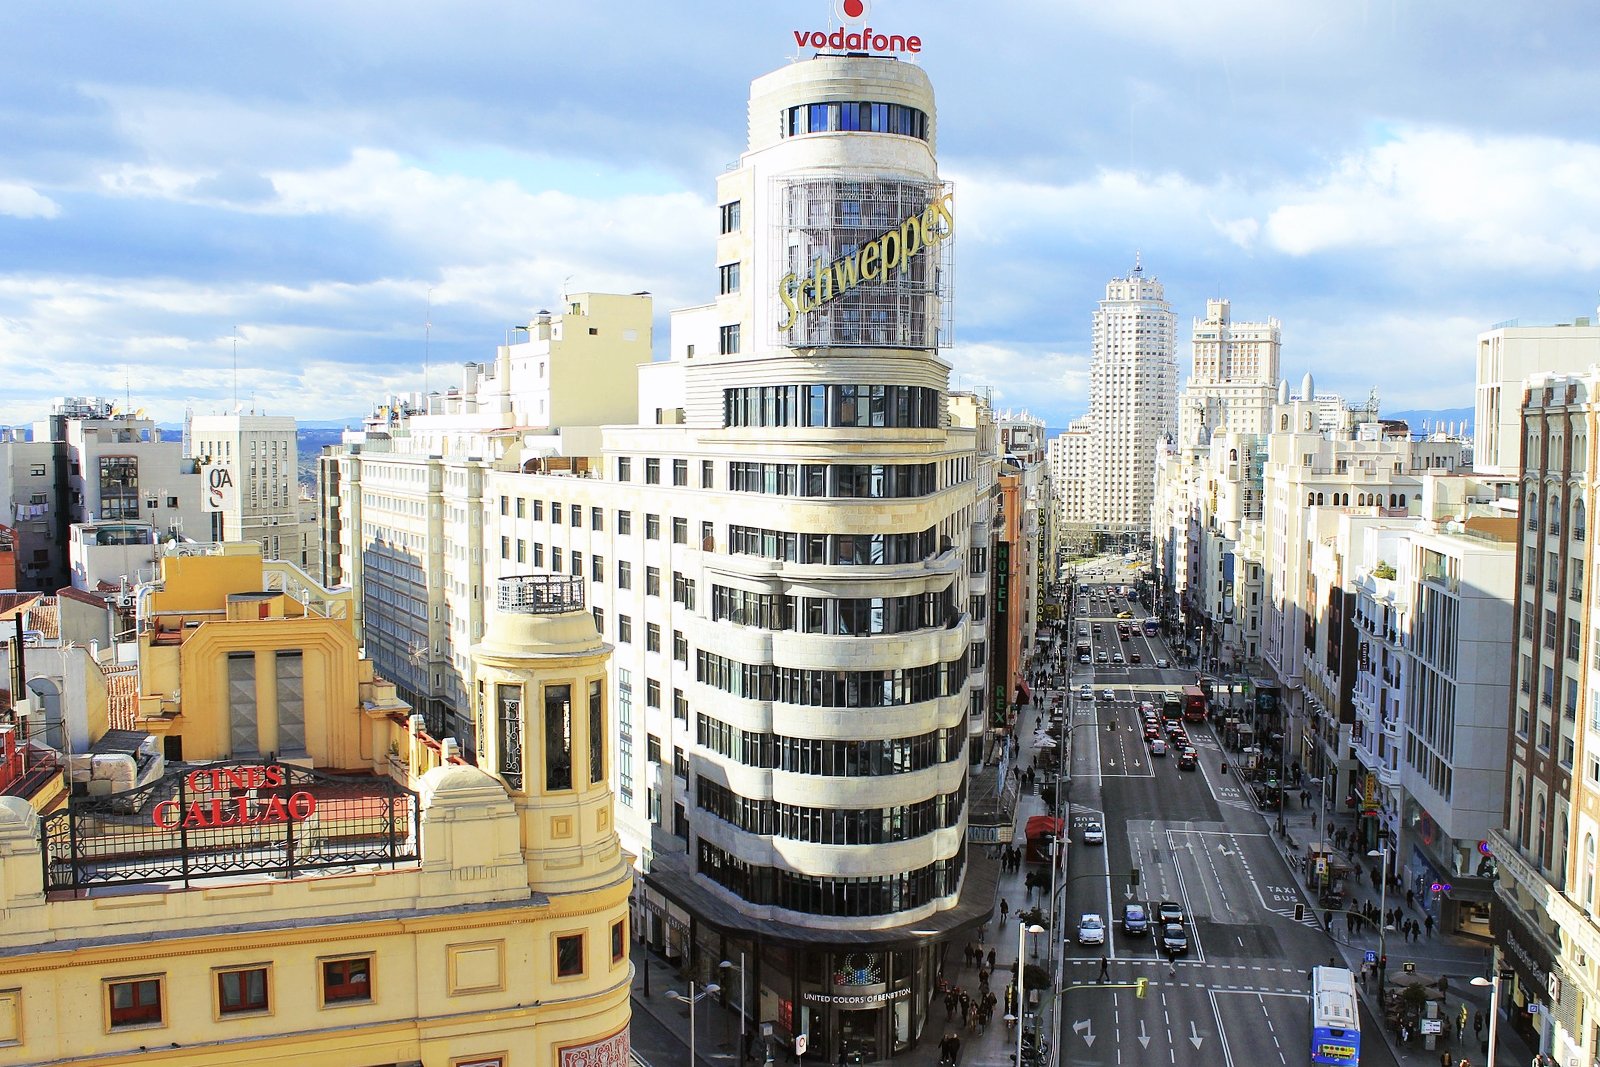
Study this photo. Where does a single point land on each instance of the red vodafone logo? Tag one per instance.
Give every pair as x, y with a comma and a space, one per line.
857, 37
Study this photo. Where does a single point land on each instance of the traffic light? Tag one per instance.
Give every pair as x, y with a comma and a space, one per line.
1140, 987
1133, 877
1299, 912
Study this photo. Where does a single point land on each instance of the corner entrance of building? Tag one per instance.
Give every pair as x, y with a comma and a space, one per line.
858, 1035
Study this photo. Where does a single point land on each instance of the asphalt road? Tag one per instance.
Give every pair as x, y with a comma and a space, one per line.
1239, 997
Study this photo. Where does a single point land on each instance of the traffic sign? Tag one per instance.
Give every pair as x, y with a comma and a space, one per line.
800, 1044
1370, 956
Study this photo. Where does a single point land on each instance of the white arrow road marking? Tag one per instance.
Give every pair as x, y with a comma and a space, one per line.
1194, 1035
1144, 1038
1084, 1029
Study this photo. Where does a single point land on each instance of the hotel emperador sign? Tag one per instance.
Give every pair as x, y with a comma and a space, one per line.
230, 818
866, 262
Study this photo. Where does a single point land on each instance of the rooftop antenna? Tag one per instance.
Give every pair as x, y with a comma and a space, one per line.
1138, 268
427, 341
236, 370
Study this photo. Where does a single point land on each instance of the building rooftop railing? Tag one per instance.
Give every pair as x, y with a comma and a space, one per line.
539, 594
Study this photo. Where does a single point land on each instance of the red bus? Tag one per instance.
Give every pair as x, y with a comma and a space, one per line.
1194, 704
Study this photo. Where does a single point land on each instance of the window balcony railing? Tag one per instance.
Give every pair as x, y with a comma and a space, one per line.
539, 594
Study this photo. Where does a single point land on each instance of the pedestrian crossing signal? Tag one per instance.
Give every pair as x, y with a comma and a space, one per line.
1140, 987
1299, 912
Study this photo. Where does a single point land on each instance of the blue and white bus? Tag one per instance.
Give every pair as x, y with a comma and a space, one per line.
1335, 1017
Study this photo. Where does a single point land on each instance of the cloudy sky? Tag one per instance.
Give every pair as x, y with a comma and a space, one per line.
1387, 177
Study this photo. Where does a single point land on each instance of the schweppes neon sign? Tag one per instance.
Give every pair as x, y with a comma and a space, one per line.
889, 251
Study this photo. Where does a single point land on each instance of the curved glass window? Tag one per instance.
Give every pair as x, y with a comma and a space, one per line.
831, 826
871, 758
850, 616
841, 549
887, 406
851, 116
879, 481
830, 688
818, 895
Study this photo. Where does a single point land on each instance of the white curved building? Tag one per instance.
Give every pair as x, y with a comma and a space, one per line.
789, 547
832, 701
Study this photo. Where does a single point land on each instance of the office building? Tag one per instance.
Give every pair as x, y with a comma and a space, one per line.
249, 461
1133, 392
1544, 912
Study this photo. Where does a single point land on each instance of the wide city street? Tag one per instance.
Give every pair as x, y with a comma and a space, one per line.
1238, 993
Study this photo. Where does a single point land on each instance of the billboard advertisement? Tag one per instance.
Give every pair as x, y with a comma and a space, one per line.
864, 262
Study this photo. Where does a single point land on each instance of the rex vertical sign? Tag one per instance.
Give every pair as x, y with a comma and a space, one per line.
855, 36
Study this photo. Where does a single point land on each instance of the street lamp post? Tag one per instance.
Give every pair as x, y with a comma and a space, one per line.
694, 998
1382, 856
1494, 1008
743, 1021
1023, 930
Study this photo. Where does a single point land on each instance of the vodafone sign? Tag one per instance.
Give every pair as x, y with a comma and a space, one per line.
859, 37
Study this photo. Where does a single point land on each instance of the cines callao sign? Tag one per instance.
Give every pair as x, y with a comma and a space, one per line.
233, 809
871, 261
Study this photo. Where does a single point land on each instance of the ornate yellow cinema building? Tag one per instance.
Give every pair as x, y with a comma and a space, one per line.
278, 866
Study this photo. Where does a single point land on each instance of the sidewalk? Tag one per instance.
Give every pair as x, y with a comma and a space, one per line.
1457, 959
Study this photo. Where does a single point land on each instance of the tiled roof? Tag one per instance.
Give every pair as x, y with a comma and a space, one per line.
45, 617
122, 696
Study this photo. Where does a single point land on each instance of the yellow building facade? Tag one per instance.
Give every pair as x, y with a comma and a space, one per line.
298, 874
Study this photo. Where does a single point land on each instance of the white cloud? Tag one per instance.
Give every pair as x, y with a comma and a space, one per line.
1451, 197
24, 202
1022, 376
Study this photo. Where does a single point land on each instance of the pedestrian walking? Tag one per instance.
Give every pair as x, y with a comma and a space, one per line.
1105, 968
966, 1007
1428, 924
1005, 909
991, 959
1411, 898
949, 1005
1446, 1060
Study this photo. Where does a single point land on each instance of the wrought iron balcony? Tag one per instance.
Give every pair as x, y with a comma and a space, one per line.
539, 594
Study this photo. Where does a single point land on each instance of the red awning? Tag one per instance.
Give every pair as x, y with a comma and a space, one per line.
1025, 694
1042, 824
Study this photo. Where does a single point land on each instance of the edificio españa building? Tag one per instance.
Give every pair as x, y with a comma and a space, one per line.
783, 535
